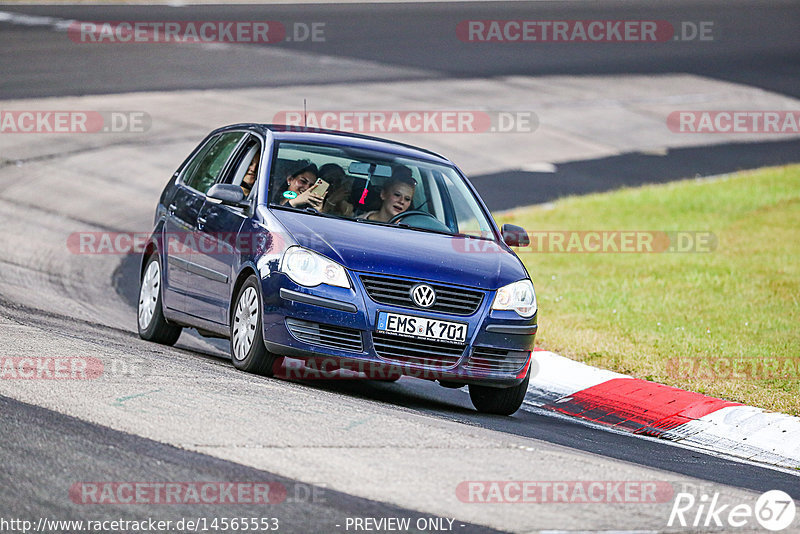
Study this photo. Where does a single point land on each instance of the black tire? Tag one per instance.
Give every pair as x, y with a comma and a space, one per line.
499, 401
254, 356
151, 322
388, 380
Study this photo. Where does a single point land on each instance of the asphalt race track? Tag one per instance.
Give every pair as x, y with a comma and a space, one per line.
340, 449
756, 45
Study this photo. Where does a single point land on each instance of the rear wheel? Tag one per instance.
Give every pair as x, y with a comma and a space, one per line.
247, 339
499, 401
152, 324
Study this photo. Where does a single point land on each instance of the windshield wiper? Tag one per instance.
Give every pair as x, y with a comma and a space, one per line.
307, 209
481, 237
379, 223
430, 230
402, 225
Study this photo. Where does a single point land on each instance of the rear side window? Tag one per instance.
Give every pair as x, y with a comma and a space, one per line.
204, 169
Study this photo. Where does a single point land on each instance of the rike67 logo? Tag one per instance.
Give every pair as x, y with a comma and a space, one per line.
774, 510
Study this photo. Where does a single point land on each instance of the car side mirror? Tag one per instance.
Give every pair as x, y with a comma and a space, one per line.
229, 194
515, 236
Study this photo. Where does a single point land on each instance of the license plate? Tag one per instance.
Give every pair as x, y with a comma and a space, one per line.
421, 327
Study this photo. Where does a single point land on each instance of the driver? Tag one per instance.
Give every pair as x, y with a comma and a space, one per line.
396, 195
249, 179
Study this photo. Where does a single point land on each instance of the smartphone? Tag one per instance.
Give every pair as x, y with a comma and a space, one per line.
320, 187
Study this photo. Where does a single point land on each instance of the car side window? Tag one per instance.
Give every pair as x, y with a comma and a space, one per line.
245, 166
191, 167
209, 163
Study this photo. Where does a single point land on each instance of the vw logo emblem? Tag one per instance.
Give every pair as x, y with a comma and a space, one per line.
423, 295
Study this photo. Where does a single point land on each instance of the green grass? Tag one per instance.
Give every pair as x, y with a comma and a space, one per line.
634, 312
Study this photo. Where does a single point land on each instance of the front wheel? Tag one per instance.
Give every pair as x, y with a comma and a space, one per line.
499, 401
247, 339
152, 324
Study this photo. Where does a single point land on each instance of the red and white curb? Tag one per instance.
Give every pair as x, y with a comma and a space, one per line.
629, 404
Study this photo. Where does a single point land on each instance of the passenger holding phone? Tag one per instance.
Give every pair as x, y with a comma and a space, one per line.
298, 192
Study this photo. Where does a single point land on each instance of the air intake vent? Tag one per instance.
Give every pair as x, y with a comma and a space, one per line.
496, 360
334, 337
417, 351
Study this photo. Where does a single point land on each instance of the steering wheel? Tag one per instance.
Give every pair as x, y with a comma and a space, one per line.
434, 224
410, 212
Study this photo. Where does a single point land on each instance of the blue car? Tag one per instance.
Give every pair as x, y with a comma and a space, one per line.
342, 251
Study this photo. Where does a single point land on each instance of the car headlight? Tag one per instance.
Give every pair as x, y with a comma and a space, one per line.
518, 296
310, 269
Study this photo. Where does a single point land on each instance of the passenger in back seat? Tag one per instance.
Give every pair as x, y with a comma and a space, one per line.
336, 200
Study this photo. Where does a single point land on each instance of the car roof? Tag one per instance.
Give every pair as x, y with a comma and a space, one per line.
283, 132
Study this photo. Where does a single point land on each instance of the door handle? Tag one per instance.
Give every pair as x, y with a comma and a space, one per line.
201, 221
171, 209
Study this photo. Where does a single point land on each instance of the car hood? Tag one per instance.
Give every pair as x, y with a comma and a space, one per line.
405, 252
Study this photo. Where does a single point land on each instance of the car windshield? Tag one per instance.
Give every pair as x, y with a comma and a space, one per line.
375, 187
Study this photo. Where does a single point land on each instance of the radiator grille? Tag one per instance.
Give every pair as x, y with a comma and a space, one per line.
397, 292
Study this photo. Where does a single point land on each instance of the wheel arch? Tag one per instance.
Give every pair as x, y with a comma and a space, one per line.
149, 249
245, 273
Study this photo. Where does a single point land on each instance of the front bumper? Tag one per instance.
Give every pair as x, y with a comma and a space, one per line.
338, 324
